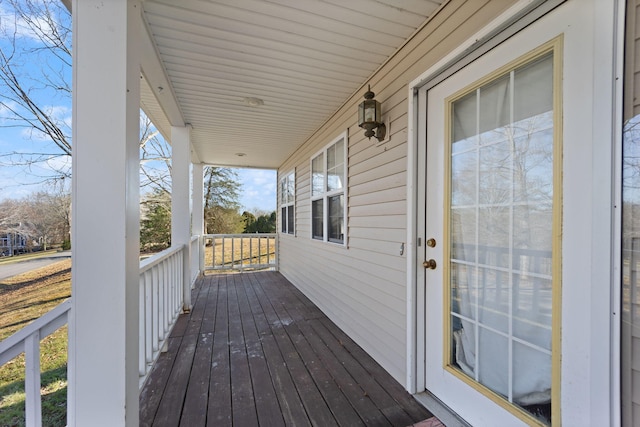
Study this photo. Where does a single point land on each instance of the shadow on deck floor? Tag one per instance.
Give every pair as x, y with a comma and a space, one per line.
255, 351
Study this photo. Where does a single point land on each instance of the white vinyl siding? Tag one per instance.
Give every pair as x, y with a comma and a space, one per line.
329, 192
363, 289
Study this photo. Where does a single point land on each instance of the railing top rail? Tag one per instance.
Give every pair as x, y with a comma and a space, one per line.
12, 345
159, 257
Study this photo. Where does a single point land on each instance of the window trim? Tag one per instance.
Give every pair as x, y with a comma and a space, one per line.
325, 194
290, 203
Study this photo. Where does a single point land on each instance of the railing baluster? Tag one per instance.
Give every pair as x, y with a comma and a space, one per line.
142, 342
33, 404
27, 341
148, 331
155, 309
163, 322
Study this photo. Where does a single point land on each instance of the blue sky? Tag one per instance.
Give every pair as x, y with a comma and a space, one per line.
19, 180
259, 189
258, 186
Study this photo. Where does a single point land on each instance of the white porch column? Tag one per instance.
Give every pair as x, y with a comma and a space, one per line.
197, 213
103, 327
197, 196
181, 202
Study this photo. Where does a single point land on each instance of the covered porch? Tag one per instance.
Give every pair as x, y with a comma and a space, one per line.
230, 84
255, 351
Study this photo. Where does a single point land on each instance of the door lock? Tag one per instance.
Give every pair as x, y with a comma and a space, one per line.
430, 264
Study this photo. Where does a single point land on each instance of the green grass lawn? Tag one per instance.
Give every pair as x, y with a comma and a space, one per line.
23, 299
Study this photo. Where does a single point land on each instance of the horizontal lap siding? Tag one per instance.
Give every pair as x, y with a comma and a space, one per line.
363, 287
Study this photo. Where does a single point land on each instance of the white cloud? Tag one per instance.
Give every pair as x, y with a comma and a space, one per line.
58, 163
60, 114
6, 107
258, 189
10, 24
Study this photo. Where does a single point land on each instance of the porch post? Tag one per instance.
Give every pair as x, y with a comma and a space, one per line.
197, 214
103, 324
198, 199
181, 203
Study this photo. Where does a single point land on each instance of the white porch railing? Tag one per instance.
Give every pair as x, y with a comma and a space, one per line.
161, 301
27, 340
161, 290
239, 251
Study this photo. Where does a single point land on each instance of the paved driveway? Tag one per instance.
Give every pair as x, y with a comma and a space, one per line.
12, 269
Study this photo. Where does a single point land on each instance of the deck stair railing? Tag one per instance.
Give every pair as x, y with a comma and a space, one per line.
27, 341
239, 251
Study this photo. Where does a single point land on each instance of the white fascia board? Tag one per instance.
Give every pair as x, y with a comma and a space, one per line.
155, 74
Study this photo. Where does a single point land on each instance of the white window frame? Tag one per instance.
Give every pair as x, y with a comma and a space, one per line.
326, 194
285, 202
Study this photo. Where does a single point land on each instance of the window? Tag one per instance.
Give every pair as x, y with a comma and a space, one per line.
287, 203
328, 192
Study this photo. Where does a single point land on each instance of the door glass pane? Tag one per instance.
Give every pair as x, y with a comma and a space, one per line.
500, 235
464, 123
630, 304
494, 111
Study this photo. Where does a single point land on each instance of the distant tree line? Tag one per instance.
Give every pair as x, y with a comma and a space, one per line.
43, 219
221, 211
263, 223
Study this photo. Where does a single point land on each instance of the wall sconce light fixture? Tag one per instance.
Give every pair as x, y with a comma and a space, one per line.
369, 117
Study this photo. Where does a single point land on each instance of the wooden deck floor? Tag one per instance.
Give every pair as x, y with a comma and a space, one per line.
255, 351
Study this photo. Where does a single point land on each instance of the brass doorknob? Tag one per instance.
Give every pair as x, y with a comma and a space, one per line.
430, 264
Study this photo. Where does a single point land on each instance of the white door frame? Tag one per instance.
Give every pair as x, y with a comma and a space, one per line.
590, 392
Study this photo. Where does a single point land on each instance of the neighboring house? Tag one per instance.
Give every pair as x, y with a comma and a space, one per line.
478, 251
13, 244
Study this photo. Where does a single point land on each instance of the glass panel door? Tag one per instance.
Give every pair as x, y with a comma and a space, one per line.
492, 233
501, 216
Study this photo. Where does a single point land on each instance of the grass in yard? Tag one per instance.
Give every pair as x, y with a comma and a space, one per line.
252, 249
23, 299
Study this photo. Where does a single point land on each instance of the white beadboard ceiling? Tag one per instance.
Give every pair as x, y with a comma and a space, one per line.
303, 58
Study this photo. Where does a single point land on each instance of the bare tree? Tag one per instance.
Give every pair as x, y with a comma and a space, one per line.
155, 159
41, 219
37, 98
34, 97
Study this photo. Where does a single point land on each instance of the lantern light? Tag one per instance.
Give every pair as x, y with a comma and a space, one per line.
369, 117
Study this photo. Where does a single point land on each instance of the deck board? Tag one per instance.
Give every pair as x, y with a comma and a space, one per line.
254, 351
